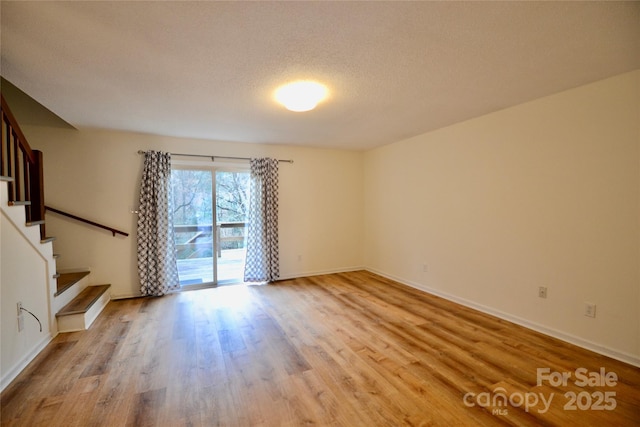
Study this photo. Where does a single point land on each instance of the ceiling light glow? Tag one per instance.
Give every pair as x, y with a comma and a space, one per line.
302, 95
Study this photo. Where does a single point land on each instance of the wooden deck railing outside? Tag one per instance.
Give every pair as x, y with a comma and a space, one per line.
202, 239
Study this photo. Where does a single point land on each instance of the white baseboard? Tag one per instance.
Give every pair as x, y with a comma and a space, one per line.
572, 339
22, 363
125, 296
319, 272
283, 277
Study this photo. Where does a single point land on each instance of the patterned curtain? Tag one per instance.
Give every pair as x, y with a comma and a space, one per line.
262, 261
157, 265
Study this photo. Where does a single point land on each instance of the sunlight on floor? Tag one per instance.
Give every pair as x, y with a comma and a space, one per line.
236, 296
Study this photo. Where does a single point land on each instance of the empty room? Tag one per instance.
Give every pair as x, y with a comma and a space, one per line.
328, 213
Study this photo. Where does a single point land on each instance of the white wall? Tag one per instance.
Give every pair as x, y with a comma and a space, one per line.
546, 193
96, 175
542, 194
24, 277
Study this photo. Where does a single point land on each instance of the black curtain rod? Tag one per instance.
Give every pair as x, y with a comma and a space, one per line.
213, 158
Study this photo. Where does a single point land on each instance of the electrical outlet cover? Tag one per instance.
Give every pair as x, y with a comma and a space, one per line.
589, 309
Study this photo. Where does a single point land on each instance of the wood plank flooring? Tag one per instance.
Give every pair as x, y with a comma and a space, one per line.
350, 349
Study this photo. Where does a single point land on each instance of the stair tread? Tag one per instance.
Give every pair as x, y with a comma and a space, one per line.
19, 203
47, 239
5, 178
32, 223
66, 280
83, 302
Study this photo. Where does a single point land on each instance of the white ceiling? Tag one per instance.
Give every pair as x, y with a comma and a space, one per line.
395, 69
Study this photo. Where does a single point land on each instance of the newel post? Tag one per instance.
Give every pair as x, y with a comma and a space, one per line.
36, 181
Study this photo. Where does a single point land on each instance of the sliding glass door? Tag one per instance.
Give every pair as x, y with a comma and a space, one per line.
232, 211
210, 217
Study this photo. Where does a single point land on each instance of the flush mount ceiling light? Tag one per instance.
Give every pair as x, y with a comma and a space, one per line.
302, 95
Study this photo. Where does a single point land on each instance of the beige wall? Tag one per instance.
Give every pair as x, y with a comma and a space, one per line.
24, 277
96, 175
542, 194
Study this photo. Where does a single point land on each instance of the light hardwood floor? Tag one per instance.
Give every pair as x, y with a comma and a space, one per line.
350, 349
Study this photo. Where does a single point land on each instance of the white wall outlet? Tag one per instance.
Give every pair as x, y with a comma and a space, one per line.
20, 317
542, 291
589, 309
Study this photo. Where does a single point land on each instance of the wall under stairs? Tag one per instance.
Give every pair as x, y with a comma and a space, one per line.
27, 268
28, 275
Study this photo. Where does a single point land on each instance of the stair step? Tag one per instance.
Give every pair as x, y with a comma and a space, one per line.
66, 280
47, 240
80, 313
33, 223
19, 203
56, 256
5, 178
83, 302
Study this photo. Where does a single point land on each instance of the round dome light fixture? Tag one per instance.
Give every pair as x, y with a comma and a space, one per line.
302, 95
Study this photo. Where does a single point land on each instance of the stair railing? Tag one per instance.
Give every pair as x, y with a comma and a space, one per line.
24, 165
114, 231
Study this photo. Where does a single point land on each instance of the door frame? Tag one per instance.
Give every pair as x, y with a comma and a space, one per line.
213, 167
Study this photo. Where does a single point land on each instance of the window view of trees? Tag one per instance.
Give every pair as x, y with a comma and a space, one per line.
232, 201
193, 210
192, 197
232, 205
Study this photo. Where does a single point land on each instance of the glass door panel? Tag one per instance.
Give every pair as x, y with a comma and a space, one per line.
193, 225
232, 203
208, 251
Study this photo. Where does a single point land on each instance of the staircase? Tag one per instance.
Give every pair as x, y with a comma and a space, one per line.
75, 302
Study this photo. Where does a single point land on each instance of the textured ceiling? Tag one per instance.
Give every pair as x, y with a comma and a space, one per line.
394, 69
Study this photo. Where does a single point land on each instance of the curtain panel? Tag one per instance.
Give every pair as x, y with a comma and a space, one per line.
262, 260
157, 266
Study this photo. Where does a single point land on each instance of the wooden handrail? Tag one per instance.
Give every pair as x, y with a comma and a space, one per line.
86, 221
24, 165
14, 125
